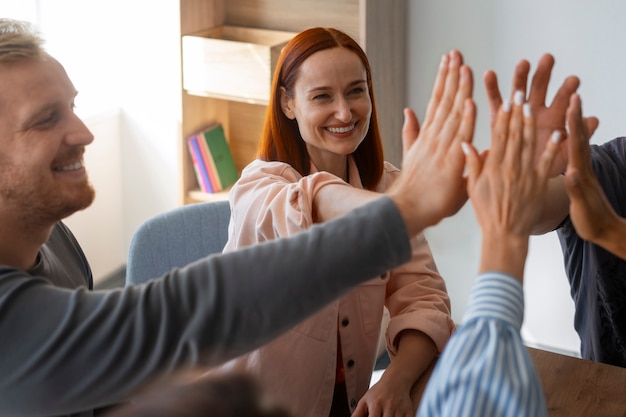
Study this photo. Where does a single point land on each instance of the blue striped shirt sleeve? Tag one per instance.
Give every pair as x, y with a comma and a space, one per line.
485, 369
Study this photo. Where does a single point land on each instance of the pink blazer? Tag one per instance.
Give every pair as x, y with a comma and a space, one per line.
271, 200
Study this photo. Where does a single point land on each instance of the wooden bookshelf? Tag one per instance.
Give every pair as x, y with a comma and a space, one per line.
380, 27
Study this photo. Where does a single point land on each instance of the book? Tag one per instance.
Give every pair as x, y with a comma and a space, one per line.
208, 163
222, 159
198, 165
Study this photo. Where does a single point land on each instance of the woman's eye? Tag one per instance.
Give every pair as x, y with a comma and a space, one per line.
321, 97
357, 90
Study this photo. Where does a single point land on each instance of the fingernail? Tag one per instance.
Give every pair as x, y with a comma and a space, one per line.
556, 136
526, 110
444, 61
506, 106
518, 98
454, 58
465, 147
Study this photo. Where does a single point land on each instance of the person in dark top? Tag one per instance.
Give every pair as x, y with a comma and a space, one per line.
596, 273
586, 206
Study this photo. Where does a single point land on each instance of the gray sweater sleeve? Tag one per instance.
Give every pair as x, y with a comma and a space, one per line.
67, 350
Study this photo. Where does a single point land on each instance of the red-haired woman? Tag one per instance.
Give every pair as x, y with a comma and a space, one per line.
320, 156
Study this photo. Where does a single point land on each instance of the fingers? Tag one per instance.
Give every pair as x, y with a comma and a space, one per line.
448, 111
457, 121
591, 123
449, 102
500, 132
438, 88
540, 81
561, 99
466, 87
514, 140
578, 149
529, 133
494, 97
547, 158
361, 409
473, 162
560, 102
515, 149
468, 121
520, 77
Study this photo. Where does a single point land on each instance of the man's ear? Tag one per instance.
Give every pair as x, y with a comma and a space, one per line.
285, 104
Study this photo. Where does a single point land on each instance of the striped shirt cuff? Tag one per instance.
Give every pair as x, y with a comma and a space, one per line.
497, 296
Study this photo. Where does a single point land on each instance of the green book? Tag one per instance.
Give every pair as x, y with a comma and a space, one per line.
220, 153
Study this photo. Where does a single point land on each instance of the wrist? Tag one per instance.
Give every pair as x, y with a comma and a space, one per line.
408, 211
505, 253
614, 240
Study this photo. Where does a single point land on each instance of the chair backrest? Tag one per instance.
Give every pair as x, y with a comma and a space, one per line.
176, 238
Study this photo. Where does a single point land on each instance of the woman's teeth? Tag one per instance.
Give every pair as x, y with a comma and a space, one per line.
340, 129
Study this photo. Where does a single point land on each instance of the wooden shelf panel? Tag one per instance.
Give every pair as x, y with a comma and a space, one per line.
379, 26
196, 196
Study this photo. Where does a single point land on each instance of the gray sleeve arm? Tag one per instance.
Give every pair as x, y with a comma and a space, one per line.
67, 350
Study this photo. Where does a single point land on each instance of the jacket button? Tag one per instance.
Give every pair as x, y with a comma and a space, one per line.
350, 363
353, 403
345, 322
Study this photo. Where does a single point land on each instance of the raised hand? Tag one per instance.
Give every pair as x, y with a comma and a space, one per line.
548, 118
433, 162
591, 213
508, 187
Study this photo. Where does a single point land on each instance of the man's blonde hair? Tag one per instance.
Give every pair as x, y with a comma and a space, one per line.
18, 40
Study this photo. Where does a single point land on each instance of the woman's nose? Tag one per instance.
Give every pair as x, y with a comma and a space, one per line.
343, 111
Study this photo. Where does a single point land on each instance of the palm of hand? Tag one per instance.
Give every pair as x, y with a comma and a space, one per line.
448, 162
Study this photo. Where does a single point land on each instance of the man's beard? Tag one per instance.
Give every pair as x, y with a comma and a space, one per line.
40, 204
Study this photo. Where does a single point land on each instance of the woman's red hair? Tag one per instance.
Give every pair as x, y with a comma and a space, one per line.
281, 140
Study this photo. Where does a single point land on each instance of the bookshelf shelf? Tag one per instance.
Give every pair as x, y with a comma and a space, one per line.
239, 99
378, 25
198, 195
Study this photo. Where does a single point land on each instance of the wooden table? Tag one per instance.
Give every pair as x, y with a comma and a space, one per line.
580, 388
573, 387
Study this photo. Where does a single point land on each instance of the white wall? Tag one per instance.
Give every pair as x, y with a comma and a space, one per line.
99, 228
586, 39
123, 57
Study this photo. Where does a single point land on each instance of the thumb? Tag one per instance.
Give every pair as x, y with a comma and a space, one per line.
473, 162
410, 129
573, 184
591, 124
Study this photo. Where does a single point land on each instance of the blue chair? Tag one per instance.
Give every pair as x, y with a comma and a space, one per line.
175, 238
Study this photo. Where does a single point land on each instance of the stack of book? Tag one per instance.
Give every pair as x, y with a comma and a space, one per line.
212, 160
